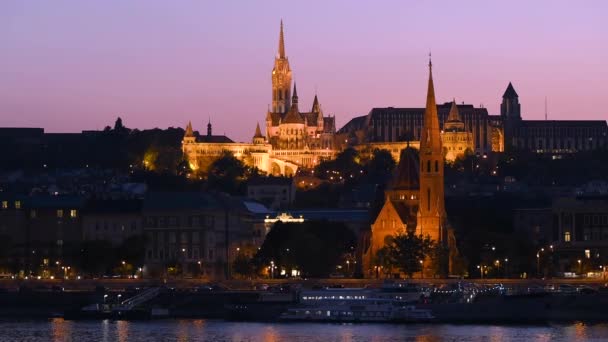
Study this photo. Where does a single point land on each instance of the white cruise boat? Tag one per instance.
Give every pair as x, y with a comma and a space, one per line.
362, 310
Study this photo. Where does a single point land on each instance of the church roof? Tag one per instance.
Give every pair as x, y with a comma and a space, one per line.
293, 116
407, 213
510, 93
406, 176
214, 139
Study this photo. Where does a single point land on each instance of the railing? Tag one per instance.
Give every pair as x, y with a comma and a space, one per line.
138, 299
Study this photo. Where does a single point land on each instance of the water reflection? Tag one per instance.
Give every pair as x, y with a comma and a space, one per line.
210, 330
61, 330
122, 328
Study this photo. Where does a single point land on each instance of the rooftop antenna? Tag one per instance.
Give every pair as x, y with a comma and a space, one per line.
545, 108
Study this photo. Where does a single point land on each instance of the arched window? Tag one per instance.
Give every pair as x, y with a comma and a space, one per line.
280, 94
428, 199
428, 166
436, 165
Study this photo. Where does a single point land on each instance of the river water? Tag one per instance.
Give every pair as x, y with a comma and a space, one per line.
211, 330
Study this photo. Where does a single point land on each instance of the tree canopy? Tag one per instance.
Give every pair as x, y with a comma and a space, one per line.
314, 248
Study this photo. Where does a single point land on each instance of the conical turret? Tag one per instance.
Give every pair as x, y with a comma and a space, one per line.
189, 132
454, 122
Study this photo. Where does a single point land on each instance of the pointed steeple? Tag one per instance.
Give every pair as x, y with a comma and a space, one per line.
189, 132
315, 105
293, 115
258, 131
454, 123
209, 128
281, 42
510, 93
294, 97
454, 115
430, 140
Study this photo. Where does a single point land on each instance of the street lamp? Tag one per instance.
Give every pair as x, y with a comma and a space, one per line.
538, 264
421, 269
579, 266
506, 264
480, 270
271, 269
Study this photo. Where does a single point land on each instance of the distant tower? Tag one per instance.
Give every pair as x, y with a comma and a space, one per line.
510, 108
258, 138
510, 112
209, 128
281, 79
455, 138
431, 212
189, 137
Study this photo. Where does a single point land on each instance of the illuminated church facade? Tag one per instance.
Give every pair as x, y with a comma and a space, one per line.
414, 199
293, 138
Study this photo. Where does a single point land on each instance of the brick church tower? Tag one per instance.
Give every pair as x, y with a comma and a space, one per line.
431, 212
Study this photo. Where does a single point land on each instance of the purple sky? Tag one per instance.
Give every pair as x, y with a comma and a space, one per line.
73, 65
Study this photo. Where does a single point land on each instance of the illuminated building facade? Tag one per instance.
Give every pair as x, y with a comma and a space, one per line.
293, 138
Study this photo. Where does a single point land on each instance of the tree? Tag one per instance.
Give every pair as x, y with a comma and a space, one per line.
380, 166
226, 173
384, 261
243, 265
314, 248
409, 250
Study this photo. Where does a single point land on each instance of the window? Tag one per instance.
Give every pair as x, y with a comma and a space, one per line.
59, 213
73, 213
17, 204
428, 166
587, 254
32, 213
567, 236
428, 199
4, 204
436, 165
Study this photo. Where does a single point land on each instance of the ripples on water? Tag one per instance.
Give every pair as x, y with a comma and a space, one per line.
205, 330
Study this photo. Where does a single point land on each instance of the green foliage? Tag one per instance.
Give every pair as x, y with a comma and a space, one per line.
380, 167
243, 266
313, 247
345, 167
406, 252
227, 174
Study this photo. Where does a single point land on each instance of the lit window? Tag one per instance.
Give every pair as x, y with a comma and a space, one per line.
567, 236
60, 213
587, 253
73, 213
4, 204
17, 204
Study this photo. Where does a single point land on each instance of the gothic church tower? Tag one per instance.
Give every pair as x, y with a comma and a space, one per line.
281, 79
431, 212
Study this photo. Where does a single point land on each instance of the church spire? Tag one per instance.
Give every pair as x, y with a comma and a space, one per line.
258, 131
281, 42
454, 114
189, 132
294, 98
430, 140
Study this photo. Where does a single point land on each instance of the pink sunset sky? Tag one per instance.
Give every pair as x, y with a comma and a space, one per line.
76, 65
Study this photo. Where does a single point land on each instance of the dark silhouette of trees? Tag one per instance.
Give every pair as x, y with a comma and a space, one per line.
314, 248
